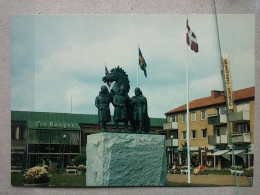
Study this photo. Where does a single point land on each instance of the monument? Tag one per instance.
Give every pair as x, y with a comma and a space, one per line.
129, 158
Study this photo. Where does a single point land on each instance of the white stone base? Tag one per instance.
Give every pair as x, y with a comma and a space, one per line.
121, 159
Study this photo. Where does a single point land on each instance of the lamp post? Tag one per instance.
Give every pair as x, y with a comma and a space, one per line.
64, 138
172, 148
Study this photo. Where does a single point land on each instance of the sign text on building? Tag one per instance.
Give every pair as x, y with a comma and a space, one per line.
228, 82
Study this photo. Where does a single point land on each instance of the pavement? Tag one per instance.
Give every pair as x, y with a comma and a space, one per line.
220, 180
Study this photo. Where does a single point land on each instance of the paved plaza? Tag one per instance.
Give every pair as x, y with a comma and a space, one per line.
221, 180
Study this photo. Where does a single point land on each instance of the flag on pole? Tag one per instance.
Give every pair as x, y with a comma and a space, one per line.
191, 39
142, 63
106, 72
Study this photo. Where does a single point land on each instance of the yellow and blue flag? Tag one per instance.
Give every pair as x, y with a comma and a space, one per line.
142, 63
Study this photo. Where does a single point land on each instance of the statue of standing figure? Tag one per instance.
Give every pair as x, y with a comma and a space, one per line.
133, 110
140, 113
102, 103
120, 112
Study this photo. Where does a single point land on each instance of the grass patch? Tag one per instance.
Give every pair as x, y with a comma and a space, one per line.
68, 180
57, 180
183, 184
17, 179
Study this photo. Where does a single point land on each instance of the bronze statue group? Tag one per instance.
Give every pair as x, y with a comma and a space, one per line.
133, 110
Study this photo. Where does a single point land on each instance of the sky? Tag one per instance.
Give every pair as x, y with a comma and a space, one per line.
58, 61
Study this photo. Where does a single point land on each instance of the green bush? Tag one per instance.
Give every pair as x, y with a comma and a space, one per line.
81, 158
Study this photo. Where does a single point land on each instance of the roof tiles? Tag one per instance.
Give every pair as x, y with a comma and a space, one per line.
217, 97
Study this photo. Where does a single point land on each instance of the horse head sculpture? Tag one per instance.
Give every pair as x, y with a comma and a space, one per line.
120, 77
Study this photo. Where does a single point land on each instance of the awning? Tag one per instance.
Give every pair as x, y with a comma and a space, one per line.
235, 152
220, 152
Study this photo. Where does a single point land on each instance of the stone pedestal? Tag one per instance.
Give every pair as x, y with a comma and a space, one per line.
121, 159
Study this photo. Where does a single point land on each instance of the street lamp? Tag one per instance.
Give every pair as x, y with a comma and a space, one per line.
64, 138
172, 147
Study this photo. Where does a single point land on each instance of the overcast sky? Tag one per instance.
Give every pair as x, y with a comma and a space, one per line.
56, 57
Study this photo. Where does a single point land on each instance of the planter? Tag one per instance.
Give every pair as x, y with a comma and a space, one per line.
36, 185
250, 181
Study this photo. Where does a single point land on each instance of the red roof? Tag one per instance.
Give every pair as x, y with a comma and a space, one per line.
217, 97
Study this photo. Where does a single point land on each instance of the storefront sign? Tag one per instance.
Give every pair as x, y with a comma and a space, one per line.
227, 75
53, 125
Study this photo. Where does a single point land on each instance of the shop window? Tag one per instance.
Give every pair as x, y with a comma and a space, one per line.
55, 137
65, 137
44, 137
74, 137
34, 136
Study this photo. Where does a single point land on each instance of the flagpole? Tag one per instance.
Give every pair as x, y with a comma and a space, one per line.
225, 91
138, 68
71, 105
188, 118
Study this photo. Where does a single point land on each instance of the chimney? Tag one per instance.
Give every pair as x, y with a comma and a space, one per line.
215, 94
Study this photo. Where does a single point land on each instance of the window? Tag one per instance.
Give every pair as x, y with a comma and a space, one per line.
193, 116
203, 115
220, 130
194, 134
242, 128
184, 135
183, 118
17, 133
222, 110
217, 131
174, 134
204, 133
174, 118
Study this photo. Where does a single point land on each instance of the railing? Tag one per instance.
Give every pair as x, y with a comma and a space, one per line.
241, 137
170, 126
239, 116
215, 140
217, 119
173, 143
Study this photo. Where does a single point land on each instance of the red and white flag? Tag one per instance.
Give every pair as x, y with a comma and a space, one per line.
191, 39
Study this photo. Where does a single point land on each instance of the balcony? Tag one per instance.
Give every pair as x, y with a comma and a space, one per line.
217, 119
217, 140
170, 126
241, 137
239, 116
173, 144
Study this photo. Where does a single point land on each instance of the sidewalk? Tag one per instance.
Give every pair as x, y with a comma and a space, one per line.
221, 180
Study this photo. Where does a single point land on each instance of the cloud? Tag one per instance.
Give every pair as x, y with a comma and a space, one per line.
70, 53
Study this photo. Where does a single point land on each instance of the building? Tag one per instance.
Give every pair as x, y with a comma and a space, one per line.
210, 140
42, 137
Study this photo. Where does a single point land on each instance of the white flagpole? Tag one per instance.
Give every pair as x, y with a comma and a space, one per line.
188, 118
71, 104
138, 68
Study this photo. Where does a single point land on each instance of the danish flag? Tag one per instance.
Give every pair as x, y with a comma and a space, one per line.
191, 39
